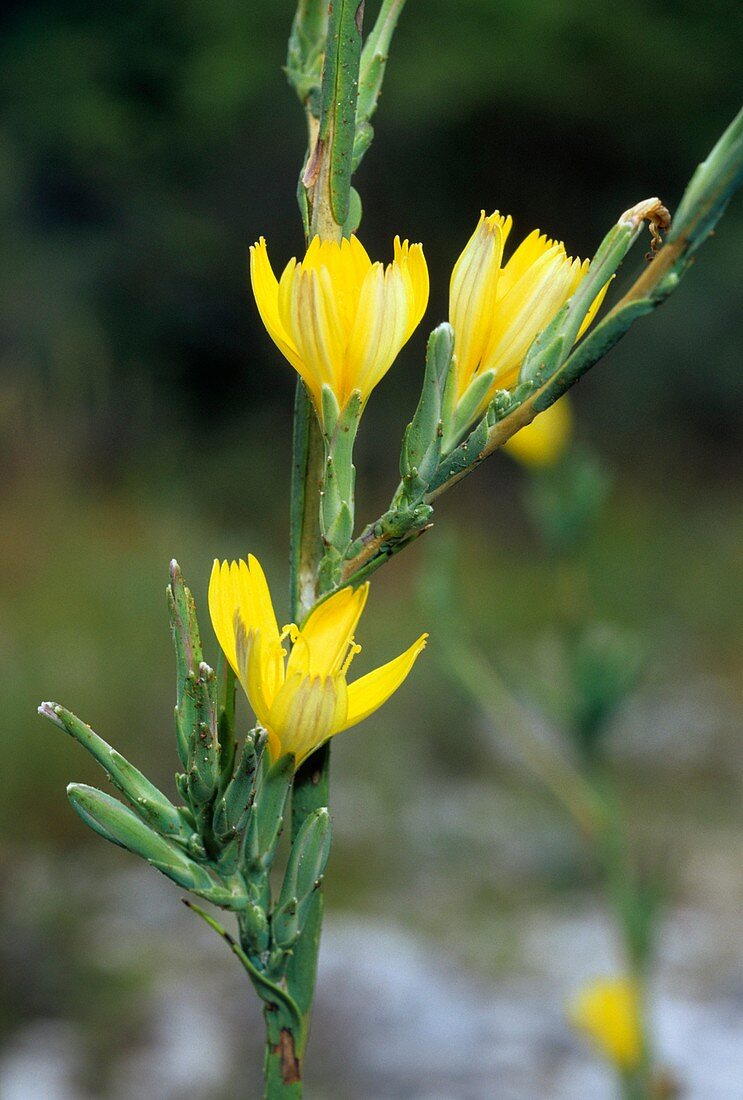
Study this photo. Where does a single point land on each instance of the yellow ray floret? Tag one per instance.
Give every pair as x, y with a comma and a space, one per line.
608, 1010
497, 309
305, 699
337, 317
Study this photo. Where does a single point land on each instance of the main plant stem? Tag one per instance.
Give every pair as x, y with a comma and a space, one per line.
282, 1065
324, 191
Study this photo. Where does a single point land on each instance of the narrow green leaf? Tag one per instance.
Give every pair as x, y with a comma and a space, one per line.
115, 822
149, 803
339, 95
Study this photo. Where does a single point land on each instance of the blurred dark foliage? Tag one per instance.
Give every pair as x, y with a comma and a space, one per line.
145, 146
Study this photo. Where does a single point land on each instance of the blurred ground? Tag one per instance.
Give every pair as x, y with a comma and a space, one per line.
144, 414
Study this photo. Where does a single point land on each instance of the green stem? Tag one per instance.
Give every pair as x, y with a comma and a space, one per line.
308, 462
545, 761
634, 920
634, 1085
327, 183
282, 1067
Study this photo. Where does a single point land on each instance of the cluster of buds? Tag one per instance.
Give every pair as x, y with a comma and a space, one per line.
220, 843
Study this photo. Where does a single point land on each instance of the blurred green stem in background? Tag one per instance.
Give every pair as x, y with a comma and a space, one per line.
560, 735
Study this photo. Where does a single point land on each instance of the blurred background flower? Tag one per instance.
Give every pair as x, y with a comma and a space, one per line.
143, 149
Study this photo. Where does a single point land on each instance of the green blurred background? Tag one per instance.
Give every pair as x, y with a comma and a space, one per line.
144, 414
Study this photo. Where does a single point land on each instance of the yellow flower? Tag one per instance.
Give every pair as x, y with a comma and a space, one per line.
497, 309
337, 317
609, 1011
304, 700
543, 442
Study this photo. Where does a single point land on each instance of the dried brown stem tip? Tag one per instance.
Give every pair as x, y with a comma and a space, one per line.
655, 214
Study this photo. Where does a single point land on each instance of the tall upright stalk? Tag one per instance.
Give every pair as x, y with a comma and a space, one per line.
324, 195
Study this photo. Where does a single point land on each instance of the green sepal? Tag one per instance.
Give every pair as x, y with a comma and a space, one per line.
267, 816
421, 448
117, 823
181, 785
546, 362
232, 809
337, 503
362, 140
254, 929
330, 410
338, 534
467, 408
355, 213
304, 871
462, 457
149, 803
551, 346
329, 571
591, 349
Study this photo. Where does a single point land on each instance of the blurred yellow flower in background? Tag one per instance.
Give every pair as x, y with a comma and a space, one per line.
338, 318
302, 701
543, 442
608, 1010
497, 309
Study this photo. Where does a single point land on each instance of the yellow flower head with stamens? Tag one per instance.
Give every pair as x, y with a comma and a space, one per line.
545, 440
337, 317
497, 309
305, 699
608, 1010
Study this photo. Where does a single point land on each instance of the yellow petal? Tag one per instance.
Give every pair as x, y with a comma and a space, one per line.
594, 307
222, 611
306, 712
369, 692
527, 309
316, 327
609, 1011
266, 291
241, 587
324, 639
472, 296
379, 329
411, 261
528, 252
250, 660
